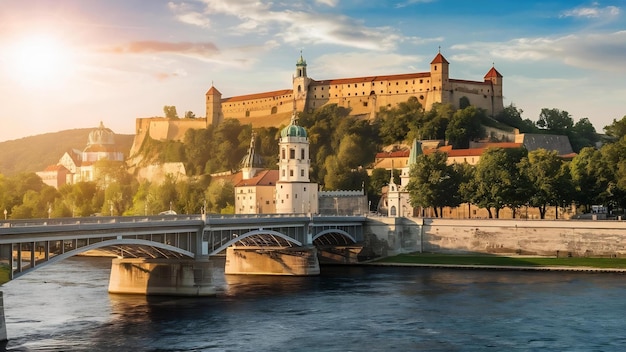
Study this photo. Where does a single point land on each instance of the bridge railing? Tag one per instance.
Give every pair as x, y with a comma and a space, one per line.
95, 220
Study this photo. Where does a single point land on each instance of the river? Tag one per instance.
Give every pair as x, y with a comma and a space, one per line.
65, 307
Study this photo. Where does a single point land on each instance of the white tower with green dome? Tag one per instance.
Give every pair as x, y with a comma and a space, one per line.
295, 193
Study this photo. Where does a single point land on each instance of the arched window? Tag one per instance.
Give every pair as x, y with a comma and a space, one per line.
302, 154
392, 211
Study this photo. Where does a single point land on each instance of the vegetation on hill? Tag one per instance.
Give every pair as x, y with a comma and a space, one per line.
342, 147
35, 153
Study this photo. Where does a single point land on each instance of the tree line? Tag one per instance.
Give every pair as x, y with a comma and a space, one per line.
341, 148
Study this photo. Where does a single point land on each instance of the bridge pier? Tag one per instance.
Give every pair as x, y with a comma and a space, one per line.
249, 260
175, 277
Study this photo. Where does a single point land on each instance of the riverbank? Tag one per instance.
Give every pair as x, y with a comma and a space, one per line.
495, 262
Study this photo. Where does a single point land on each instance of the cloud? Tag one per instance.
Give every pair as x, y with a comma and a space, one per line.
592, 12
356, 64
600, 51
331, 3
185, 13
293, 23
412, 2
198, 50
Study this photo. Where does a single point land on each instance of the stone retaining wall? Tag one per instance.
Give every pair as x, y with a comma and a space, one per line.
525, 237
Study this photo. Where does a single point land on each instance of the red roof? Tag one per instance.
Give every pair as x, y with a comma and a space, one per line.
372, 78
56, 168
213, 91
396, 154
493, 73
263, 178
439, 59
273, 94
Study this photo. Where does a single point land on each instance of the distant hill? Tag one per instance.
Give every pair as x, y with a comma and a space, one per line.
35, 153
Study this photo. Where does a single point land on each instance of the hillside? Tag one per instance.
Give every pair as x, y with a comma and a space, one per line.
30, 154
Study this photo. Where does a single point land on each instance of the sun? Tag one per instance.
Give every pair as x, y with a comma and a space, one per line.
39, 61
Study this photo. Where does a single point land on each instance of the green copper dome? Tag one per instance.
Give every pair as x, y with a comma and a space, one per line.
293, 131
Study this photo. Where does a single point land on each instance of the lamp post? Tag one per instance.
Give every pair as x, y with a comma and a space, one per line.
49, 211
5, 214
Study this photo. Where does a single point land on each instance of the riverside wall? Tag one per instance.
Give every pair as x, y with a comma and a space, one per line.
390, 236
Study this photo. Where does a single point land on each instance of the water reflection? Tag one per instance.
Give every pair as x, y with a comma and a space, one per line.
65, 307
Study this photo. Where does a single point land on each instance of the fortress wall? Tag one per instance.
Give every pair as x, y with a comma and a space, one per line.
257, 107
511, 237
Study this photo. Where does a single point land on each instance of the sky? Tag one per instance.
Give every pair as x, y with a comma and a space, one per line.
68, 64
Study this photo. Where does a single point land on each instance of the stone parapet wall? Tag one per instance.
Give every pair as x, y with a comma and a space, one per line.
526, 237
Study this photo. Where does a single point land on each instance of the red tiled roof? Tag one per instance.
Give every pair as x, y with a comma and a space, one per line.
55, 168
493, 73
273, 94
263, 178
439, 59
372, 78
396, 154
212, 91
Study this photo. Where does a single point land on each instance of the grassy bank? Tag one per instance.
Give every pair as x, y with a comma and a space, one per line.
427, 258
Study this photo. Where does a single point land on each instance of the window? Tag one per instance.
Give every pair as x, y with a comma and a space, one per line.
302, 172
292, 153
283, 153
393, 211
302, 154
291, 173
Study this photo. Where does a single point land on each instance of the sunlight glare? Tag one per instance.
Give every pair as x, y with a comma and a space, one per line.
39, 61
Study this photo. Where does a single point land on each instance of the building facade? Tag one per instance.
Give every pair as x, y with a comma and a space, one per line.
364, 96
81, 166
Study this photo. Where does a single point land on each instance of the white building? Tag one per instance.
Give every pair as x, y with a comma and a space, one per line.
295, 193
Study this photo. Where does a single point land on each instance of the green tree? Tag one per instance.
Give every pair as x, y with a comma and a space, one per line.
616, 130
496, 183
512, 116
582, 134
433, 183
220, 196
591, 176
170, 112
465, 126
543, 170
190, 115
555, 120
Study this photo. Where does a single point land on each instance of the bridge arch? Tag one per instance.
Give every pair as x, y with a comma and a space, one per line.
327, 237
122, 248
260, 238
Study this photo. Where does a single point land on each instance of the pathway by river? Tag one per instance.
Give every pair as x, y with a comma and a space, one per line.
66, 307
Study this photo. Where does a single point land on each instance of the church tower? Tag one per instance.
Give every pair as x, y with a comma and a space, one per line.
398, 200
294, 191
251, 163
439, 79
300, 84
213, 106
393, 197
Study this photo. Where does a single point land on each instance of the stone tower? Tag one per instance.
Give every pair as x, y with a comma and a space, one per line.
213, 106
294, 191
495, 78
439, 78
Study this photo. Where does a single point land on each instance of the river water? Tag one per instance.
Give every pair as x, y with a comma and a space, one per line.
65, 307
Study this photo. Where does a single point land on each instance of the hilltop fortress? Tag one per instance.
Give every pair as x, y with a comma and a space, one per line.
363, 96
